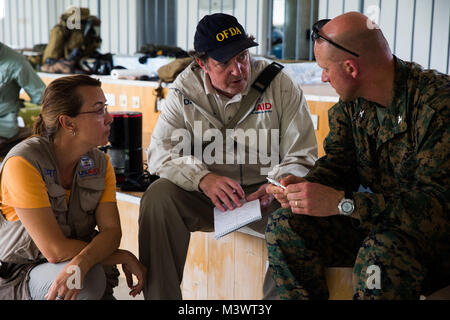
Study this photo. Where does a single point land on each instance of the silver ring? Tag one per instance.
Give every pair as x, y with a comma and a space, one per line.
58, 297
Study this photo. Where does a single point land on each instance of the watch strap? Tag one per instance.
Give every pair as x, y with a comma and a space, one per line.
348, 194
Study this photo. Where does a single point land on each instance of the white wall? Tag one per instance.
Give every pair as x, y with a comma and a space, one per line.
119, 26
417, 30
251, 14
28, 22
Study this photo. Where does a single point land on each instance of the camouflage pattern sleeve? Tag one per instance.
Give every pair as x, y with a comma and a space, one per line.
420, 205
404, 161
337, 168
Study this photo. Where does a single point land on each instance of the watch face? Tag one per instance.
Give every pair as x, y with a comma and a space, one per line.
347, 207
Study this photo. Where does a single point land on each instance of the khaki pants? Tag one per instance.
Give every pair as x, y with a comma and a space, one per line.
168, 215
43, 275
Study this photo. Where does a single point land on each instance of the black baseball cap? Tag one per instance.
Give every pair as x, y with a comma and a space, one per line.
221, 36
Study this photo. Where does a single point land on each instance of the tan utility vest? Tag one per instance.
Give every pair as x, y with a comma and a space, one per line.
77, 221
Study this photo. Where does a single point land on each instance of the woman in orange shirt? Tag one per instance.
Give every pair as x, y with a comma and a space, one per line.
59, 222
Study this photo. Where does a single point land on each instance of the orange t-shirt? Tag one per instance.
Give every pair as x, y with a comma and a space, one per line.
22, 186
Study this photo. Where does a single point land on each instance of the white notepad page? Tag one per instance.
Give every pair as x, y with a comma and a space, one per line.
229, 221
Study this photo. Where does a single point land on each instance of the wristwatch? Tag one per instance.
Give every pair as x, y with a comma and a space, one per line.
346, 206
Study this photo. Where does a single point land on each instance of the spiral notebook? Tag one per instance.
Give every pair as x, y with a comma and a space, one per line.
229, 221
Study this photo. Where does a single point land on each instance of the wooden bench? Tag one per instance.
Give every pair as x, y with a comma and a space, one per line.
339, 282
231, 268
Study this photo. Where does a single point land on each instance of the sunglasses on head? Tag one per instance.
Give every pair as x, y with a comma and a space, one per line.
315, 35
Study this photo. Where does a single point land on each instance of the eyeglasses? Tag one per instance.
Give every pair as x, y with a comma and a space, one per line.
99, 112
315, 35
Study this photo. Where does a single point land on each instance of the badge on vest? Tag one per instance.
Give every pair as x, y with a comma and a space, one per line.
50, 172
264, 107
87, 166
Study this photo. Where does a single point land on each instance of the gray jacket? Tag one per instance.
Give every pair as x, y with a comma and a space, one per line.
193, 108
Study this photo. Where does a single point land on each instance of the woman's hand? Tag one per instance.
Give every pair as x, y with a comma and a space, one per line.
131, 267
67, 284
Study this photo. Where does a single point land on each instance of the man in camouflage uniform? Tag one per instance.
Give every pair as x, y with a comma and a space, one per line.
390, 133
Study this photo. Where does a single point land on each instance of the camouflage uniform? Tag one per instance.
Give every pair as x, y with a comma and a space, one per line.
403, 226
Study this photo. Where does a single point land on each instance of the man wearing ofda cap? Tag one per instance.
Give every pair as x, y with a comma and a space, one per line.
209, 97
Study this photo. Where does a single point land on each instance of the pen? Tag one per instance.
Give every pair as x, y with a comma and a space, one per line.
276, 183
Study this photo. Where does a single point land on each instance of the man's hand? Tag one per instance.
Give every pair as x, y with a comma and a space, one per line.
222, 191
261, 194
313, 199
279, 193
